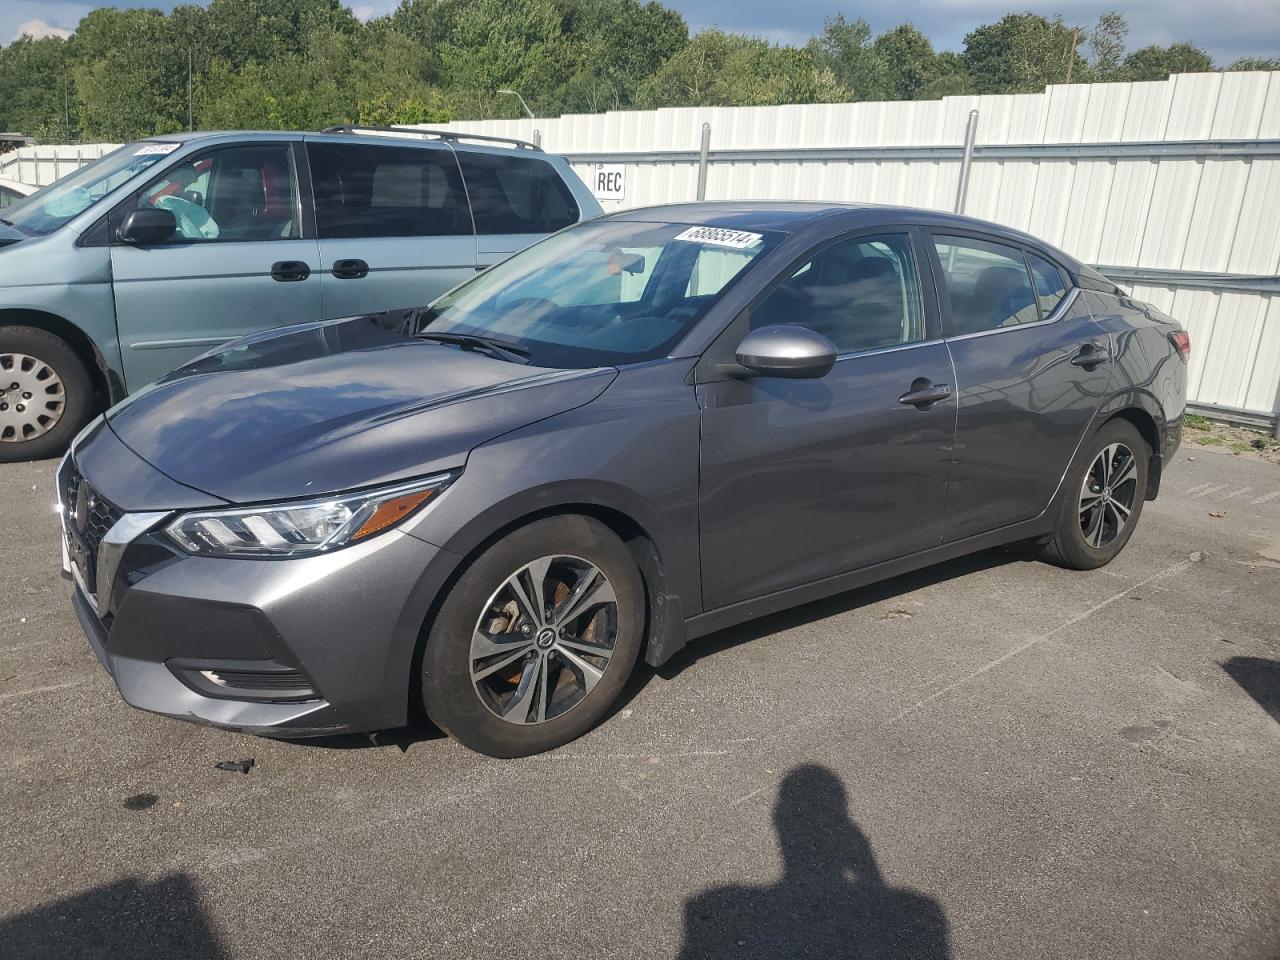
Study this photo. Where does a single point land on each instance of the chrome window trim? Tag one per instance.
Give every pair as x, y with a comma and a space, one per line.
890, 349
1058, 313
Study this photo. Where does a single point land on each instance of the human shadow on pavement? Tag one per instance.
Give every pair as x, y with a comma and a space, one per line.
1260, 679
134, 918
832, 901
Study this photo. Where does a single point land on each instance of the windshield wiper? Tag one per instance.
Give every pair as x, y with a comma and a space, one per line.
498, 348
7, 223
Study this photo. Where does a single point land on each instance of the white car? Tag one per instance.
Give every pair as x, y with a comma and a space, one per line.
11, 191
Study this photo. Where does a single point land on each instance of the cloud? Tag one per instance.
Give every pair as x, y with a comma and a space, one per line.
35, 29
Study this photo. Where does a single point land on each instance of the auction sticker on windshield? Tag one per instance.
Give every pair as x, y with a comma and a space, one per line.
720, 237
152, 148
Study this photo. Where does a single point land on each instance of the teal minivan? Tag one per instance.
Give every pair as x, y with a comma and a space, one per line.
164, 248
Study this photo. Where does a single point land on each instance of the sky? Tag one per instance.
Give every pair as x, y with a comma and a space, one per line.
1227, 29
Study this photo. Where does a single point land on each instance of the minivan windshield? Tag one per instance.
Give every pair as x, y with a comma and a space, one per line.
46, 210
600, 294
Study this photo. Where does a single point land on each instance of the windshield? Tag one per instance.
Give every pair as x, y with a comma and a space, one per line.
48, 209
600, 294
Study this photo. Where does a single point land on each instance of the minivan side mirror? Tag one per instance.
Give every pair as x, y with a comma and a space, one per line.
786, 350
147, 226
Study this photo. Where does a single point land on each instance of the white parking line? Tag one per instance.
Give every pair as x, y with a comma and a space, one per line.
1267, 498
48, 689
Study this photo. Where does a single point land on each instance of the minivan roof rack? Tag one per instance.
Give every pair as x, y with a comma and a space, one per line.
451, 135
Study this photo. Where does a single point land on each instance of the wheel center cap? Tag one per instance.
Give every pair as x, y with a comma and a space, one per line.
546, 637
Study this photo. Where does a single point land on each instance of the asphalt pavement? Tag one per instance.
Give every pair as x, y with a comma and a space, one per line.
992, 758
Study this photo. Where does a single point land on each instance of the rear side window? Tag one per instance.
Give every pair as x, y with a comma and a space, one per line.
987, 284
1050, 287
384, 191
516, 194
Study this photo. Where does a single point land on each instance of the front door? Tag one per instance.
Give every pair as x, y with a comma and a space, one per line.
394, 227
237, 263
1032, 367
806, 479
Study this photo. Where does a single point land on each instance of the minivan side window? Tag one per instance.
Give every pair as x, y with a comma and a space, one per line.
860, 294
516, 194
385, 191
987, 283
238, 194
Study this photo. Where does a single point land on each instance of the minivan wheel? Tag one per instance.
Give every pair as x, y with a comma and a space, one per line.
1102, 499
45, 394
536, 639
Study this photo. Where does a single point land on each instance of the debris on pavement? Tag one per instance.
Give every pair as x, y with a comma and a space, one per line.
235, 766
1217, 513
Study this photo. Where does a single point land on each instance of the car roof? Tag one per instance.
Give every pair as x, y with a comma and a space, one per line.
796, 216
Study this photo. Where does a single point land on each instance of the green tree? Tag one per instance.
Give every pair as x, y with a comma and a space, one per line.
1157, 63
1021, 53
730, 70
37, 95
1106, 47
1256, 63
844, 50
907, 60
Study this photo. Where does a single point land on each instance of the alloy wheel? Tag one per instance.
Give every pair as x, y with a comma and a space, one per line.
32, 397
544, 639
1108, 494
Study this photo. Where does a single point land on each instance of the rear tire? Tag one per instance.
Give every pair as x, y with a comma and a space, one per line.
536, 639
46, 395
1102, 499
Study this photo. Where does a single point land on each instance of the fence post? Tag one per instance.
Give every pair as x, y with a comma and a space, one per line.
537, 138
966, 161
702, 161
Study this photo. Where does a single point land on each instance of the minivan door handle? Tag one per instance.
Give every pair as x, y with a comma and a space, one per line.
924, 393
350, 269
288, 271
1090, 355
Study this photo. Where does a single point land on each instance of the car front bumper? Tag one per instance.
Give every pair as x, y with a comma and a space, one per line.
282, 647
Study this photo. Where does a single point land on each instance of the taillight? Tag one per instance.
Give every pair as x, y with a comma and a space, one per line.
1182, 343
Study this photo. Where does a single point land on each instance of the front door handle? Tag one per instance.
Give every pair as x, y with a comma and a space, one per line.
1090, 355
924, 393
350, 269
289, 271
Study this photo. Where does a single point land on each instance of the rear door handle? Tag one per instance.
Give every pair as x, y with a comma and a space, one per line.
350, 269
924, 393
1090, 355
288, 271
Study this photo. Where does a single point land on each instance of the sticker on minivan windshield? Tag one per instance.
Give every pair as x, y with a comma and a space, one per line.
720, 237
151, 148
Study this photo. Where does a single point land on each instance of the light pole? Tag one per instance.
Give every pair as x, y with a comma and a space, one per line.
512, 93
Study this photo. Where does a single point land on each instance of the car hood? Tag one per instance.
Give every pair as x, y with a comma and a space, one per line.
332, 406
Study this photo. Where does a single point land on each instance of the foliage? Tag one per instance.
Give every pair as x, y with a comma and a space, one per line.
311, 63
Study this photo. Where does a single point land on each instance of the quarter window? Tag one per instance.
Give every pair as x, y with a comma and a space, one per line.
382, 191
516, 194
987, 283
1050, 287
241, 194
860, 294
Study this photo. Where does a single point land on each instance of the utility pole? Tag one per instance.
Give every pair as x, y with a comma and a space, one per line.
190, 108
1071, 51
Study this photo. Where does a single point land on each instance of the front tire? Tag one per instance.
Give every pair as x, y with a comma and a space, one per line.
1102, 499
536, 639
46, 395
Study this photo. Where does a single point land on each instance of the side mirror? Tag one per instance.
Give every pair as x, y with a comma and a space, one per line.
786, 350
147, 226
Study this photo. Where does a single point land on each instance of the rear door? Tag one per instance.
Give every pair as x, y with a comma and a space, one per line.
1032, 368
393, 224
806, 479
240, 261
516, 197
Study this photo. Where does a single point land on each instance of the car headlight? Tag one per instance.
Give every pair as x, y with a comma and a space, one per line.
302, 528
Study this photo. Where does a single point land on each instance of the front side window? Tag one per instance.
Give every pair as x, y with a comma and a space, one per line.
385, 191
860, 294
602, 293
47, 210
240, 194
516, 194
987, 284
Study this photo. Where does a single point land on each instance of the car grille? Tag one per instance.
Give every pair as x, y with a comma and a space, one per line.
88, 516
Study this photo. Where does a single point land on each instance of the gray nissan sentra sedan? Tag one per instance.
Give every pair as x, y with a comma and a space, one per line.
640, 430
